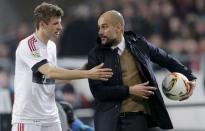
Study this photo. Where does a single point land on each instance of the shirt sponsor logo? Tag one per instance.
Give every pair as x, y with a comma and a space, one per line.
42, 79
36, 121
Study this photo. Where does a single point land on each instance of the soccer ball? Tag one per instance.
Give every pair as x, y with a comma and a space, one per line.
174, 86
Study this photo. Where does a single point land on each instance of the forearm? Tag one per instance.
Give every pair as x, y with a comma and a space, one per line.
65, 74
164, 59
109, 93
174, 65
57, 81
61, 73
114, 94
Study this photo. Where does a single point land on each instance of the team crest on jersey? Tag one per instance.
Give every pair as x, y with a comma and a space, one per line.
35, 54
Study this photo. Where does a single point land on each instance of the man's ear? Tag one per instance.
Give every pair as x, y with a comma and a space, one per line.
119, 27
42, 24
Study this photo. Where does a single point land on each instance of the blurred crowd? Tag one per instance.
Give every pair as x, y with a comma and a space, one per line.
178, 26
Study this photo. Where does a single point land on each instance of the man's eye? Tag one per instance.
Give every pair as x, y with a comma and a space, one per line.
104, 27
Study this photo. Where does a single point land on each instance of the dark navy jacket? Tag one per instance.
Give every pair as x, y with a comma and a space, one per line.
109, 94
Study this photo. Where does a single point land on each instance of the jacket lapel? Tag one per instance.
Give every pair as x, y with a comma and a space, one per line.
136, 52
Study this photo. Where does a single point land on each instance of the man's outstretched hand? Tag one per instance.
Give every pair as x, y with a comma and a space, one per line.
100, 73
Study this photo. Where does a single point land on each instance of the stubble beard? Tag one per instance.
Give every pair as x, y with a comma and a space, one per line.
110, 42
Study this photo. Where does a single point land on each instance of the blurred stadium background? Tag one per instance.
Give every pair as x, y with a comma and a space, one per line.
178, 26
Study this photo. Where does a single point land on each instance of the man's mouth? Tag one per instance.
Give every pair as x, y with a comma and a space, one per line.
57, 33
103, 38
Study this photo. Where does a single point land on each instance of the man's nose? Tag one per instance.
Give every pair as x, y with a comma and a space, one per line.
100, 32
60, 27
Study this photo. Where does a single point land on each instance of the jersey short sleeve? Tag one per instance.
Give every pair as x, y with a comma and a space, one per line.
29, 53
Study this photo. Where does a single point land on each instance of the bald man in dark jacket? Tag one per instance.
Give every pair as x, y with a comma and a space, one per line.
130, 100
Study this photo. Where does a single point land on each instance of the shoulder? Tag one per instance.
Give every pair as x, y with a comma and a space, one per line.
131, 36
95, 50
136, 40
29, 43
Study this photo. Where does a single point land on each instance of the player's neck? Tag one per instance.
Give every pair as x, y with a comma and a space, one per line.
41, 36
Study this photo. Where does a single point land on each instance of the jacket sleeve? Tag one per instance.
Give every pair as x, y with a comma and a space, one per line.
164, 59
103, 90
